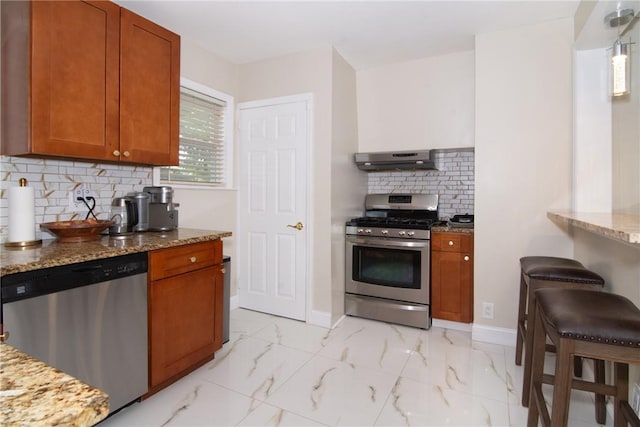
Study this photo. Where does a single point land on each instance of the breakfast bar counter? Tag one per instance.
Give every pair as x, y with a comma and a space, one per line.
621, 227
53, 253
33, 393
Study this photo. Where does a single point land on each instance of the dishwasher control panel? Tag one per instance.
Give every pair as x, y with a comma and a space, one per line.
30, 284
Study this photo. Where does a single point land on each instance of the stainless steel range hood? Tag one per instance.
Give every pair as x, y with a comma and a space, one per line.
395, 160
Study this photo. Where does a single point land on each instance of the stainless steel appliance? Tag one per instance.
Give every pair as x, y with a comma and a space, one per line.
141, 200
395, 160
87, 319
163, 212
124, 213
387, 259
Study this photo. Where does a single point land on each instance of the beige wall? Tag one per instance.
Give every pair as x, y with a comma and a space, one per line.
200, 208
307, 72
348, 184
523, 157
425, 103
626, 140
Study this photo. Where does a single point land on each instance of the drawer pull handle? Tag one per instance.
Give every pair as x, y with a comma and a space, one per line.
116, 153
193, 259
466, 257
450, 242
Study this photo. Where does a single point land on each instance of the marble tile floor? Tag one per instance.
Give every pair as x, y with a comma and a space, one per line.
280, 372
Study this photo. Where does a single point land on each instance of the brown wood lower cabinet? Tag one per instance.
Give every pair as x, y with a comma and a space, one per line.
452, 276
185, 310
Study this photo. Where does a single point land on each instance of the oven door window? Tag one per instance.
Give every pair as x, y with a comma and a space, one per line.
398, 268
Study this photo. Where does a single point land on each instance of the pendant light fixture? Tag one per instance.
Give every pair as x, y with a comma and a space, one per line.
620, 70
620, 53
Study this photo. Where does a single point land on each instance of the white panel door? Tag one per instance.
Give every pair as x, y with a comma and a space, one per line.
272, 273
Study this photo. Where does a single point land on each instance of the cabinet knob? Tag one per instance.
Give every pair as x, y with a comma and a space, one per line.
193, 259
466, 257
126, 154
450, 242
116, 153
4, 336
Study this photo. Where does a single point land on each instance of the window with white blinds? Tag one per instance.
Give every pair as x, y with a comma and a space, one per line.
202, 152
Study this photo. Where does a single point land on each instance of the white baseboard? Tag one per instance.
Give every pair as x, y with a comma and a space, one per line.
234, 302
502, 336
319, 318
448, 324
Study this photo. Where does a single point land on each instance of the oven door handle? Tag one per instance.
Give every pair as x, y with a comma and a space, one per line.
386, 243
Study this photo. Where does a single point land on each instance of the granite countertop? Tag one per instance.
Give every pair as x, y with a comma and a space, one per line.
52, 253
451, 229
33, 393
621, 227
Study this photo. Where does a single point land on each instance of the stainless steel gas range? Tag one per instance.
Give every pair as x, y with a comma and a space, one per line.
387, 259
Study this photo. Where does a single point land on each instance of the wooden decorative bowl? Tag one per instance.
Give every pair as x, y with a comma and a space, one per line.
77, 231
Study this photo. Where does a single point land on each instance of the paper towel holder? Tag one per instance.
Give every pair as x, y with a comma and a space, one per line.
26, 244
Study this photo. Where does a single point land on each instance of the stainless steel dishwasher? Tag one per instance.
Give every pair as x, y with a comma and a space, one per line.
87, 319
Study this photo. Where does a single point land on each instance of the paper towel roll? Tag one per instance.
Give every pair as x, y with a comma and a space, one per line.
22, 214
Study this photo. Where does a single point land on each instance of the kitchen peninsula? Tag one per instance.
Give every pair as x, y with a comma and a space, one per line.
33, 393
178, 258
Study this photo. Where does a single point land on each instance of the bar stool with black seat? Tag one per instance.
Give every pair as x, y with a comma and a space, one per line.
538, 272
589, 324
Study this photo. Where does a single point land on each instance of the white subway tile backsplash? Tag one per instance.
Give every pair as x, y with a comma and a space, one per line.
453, 181
52, 181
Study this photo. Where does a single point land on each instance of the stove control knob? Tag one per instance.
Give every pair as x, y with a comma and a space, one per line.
402, 233
368, 231
411, 233
385, 232
360, 230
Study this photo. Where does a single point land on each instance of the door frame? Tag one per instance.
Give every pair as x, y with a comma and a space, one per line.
307, 98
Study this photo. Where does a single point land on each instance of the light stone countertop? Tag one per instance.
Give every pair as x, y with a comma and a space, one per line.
33, 393
451, 229
621, 227
52, 253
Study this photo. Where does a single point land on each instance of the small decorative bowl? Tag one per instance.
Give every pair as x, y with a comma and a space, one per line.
77, 230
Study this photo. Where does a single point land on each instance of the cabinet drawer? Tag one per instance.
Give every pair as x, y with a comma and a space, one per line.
182, 259
451, 242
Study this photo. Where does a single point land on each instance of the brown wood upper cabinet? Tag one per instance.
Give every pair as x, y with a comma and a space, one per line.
88, 80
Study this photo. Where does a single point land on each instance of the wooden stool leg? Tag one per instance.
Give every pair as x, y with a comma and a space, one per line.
562, 383
522, 313
621, 375
528, 346
601, 402
536, 400
577, 367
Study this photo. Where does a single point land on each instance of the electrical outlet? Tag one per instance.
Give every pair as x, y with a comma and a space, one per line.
635, 400
487, 310
75, 199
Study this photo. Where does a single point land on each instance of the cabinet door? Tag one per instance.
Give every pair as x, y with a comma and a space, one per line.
149, 92
452, 286
185, 321
75, 66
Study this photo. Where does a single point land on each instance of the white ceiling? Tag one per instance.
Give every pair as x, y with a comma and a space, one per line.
366, 33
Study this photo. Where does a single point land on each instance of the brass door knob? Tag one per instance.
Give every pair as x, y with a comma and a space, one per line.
466, 257
298, 226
